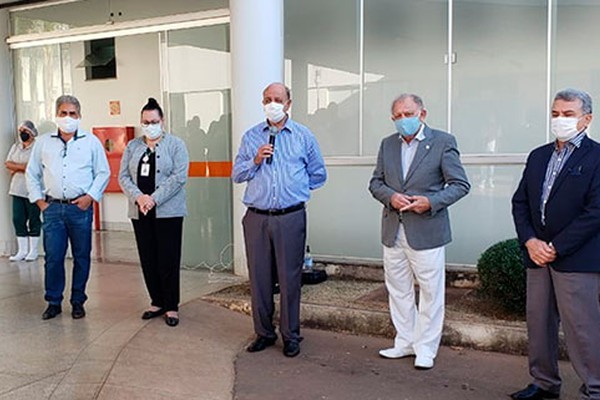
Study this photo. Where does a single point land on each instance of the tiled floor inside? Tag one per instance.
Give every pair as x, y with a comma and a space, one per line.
112, 353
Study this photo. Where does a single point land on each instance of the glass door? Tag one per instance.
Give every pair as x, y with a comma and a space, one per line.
198, 94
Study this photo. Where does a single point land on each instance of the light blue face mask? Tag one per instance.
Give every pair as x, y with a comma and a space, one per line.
408, 126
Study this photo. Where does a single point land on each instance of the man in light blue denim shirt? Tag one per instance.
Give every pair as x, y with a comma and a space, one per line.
66, 173
281, 163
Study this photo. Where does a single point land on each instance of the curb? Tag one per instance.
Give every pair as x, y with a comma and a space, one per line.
456, 276
508, 337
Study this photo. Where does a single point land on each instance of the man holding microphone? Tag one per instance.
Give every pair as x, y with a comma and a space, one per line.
281, 162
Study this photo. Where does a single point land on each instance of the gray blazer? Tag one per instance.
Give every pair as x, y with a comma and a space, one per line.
172, 165
435, 172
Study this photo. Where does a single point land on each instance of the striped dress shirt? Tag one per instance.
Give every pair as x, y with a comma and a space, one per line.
296, 169
555, 165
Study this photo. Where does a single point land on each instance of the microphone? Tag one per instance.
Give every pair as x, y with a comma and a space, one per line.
272, 133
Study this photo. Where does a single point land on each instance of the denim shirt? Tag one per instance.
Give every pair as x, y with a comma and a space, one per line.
65, 170
172, 165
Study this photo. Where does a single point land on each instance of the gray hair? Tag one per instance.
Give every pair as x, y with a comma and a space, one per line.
576, 94
68, 99
28, 126
417, 99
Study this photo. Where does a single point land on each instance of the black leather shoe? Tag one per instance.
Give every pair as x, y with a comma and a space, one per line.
260, 343
291, 348
171, 321
534, 392
153, 314
78, 311
52, 311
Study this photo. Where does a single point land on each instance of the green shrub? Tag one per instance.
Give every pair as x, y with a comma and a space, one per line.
503, 275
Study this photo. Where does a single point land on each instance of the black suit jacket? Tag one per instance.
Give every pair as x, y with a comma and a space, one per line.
572, 211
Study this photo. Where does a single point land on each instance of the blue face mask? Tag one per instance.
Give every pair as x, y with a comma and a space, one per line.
408, 126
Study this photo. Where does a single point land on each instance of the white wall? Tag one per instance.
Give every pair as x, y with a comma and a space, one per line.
138, 77
7, 136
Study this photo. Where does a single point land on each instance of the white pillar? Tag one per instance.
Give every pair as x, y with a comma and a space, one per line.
256, 61
7, 136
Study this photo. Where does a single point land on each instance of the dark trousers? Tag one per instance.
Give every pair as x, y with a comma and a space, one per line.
275, 243
159, 247
26, 217
569, 298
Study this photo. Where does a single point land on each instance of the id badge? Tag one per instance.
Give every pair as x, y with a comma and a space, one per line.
145, 170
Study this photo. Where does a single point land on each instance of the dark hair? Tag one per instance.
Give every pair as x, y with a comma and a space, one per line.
152, 104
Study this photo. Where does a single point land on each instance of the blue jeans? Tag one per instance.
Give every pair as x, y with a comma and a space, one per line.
64, 222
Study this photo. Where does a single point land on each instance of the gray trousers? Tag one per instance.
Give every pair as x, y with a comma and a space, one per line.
275, 243
570, 298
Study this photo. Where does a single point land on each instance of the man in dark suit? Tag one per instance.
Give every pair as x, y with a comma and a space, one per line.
417, 177
556, 210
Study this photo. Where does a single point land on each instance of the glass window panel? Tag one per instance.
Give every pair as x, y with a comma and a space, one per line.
70, 15
479, 220
404, 47
41, 75
576, 64
483, 217
499, 78
323, 59
344, 219
199, 96
60, 17
207, 235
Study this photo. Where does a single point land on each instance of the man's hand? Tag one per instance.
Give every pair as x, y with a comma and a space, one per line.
83, 202
42, 204
264, 151
418, 204
540, 252
145, 203
399, 200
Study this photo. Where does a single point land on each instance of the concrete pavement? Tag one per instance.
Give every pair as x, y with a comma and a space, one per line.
113, 354
336, 366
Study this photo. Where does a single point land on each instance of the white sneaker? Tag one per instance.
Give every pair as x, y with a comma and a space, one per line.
393, 352
423, 363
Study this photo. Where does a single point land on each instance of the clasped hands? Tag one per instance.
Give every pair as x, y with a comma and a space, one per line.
145, 203
540, 252
417, 204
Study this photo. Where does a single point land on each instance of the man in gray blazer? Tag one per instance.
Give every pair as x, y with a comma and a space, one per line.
418, 175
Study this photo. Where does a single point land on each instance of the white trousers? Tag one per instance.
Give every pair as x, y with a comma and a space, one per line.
418, 329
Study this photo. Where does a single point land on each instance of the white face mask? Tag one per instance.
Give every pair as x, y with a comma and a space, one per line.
67, 124
152, 131
564, 128
274, 111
